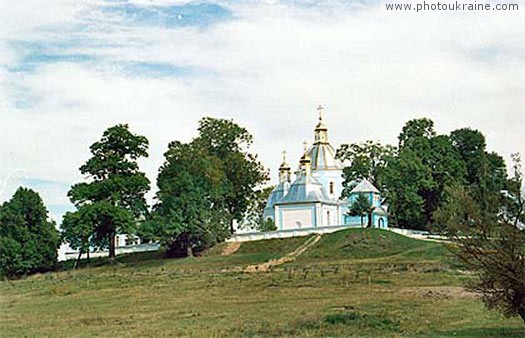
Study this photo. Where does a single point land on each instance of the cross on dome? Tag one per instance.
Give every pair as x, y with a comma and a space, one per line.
320, 110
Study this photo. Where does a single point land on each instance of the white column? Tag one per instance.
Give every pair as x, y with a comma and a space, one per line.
318, 215
277, 217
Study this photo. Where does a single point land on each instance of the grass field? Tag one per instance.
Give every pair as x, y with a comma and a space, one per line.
367, 283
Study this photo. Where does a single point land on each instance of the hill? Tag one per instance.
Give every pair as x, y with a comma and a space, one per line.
359, 282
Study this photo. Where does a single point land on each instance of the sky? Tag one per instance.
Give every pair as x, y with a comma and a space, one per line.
69, 69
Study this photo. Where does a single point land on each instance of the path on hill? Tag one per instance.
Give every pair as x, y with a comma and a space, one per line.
230, 248
289, 257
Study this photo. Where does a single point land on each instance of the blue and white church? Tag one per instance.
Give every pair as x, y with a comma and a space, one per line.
313, 199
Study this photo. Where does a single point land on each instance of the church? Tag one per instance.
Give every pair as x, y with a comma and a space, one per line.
313, 198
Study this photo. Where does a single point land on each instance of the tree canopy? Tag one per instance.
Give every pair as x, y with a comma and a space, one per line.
114, 193
414, 177
28, 239
366, 160
204, 186
229, 143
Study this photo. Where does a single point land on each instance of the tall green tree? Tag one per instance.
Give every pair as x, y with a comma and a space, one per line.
28, 239
190, 213
366, 161
486, 173
405, 178
229, 143
416, 133
115, 184
416, 179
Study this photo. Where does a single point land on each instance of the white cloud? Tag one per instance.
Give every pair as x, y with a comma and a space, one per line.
268, 69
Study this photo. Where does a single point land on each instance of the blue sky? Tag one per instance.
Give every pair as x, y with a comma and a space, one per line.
70, 69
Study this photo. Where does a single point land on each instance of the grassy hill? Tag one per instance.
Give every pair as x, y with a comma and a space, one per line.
351, 283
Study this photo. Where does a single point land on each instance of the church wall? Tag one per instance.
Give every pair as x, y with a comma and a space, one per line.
380, 224
297, 217
327, 176
329, 216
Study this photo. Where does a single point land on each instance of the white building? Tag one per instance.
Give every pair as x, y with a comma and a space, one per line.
313, 199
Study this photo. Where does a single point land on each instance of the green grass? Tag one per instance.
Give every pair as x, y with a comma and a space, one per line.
366, 283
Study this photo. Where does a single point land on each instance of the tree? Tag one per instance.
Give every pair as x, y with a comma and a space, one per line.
77, 230
415, 180
116, 185
88, 226
485, 172
190, 213
367, 161
362, 207
254, 215
229, 142
28, 239
415, 132
490, 244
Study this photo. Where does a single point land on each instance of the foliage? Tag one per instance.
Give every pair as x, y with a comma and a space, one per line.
205, 185
254, 214
405, 178
362, 207
485, 172
366, 161
415, 133
413, 178
228, 143
490, 244
28, 239
189, 214
116, 187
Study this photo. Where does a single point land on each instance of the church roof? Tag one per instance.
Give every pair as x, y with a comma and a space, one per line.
277, 193
365, 186
323, 157
306, 189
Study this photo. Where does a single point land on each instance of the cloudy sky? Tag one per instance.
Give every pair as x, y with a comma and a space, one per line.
70, 68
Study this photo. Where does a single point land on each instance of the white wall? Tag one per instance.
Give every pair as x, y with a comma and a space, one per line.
297, 218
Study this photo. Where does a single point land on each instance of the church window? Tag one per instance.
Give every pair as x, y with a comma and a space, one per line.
332, 188
299, 224
328, 218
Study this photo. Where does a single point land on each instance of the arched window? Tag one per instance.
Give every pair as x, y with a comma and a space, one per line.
298, 224
328, 218
331, 188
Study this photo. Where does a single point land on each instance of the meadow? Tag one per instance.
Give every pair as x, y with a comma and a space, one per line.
359, 282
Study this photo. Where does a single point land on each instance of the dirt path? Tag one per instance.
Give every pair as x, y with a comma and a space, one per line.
285, 259
438, 292
231, 248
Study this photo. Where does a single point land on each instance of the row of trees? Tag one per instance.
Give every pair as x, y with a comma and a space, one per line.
453, 185
414, 175
207, 184
204, 186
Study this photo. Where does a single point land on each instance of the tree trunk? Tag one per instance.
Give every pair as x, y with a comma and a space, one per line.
88, 261
369, 220
78, 259
362, 225
521, 312
112, 246
231, 226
